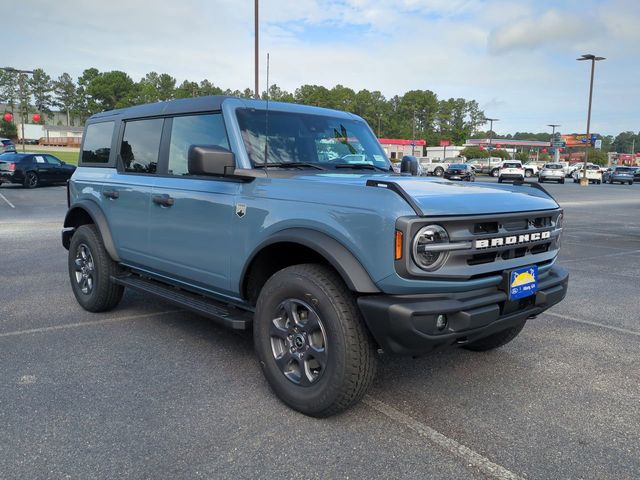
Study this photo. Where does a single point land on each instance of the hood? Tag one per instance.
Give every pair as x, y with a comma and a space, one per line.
435, 196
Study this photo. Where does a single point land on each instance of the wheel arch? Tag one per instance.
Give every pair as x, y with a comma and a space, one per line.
86, 212
300, 245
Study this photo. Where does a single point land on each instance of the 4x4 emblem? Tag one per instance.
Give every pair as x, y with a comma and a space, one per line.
241, 209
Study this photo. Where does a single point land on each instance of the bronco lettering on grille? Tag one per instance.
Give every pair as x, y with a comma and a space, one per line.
512, 240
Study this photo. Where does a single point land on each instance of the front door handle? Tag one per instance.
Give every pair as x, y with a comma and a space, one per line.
112, 194
163, 200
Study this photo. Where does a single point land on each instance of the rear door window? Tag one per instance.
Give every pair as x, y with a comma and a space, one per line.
194, 130
141, 145
97, 143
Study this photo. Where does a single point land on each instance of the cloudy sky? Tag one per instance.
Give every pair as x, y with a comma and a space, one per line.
516, 58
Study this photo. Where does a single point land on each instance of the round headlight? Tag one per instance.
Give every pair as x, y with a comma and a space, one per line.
425, 247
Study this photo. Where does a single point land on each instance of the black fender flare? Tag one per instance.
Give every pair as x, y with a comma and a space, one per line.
100, 221
340, 258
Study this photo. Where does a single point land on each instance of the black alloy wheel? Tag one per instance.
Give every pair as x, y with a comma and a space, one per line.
84, 269
31, 180
299, 342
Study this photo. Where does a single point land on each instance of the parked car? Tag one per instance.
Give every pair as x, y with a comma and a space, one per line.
511, 170
435, 166
619, 174
6, 145
551, 172
593, 174
460, 171
325, 261
531, 169
33, 169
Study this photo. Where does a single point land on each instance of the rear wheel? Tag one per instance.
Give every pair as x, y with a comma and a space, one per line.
494, 172
31, 180
90, 271
496, 340
313, 346
438, 172
528, 173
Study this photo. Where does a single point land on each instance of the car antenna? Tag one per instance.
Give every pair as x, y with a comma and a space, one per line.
266, 120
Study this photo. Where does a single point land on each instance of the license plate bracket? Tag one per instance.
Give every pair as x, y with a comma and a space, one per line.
522, 282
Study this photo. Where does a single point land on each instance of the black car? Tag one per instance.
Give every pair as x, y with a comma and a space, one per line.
460, 171
33, 169
636, 175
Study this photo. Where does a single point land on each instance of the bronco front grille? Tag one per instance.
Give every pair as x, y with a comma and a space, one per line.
495, 243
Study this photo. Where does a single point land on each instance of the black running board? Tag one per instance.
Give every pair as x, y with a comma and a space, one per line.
222, 313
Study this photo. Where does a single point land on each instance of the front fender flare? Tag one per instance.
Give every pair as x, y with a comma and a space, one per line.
100, 221
340, 258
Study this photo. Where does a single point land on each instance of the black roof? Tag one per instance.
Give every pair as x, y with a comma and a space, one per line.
197, 104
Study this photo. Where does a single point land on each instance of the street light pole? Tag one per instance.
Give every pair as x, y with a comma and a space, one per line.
556, 150
583, 181
413, 135
256, 92
491, 120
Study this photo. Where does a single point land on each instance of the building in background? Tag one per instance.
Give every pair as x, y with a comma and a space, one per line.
396, 148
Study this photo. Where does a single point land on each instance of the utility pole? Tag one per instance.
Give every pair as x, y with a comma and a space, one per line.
583, 181
413, 135
256, 92
379, 118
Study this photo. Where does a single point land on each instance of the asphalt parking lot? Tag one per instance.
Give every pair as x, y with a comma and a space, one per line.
148, 391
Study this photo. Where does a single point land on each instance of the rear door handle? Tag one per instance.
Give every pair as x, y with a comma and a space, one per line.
163, 200
112, 194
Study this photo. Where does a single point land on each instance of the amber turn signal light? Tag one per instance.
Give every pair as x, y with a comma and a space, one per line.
398, 245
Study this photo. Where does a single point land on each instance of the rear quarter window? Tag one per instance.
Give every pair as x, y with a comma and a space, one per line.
96, 147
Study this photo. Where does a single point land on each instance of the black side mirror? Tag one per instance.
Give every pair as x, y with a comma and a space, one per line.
210, 160
409, 165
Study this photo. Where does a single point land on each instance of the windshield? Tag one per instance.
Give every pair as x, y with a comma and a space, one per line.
553, 166
459, 166
511, 165
624, 169
323, 141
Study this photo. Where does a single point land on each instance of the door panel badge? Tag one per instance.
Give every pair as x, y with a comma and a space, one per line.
241, 209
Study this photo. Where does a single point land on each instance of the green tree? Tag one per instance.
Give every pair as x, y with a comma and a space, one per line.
42, 90
111, 90
474, 152
499, 152
85, 105
597, 156
64, 90
8, 129
208, 88
624, 141
24, 96
277, 94
9, 89
187, 89
544, 157
522, 156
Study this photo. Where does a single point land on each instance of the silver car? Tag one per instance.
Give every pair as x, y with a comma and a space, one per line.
551, 172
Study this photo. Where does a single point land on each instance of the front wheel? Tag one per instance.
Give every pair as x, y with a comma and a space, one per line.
496, 340
562, 181
494, 172
90, 271
313, 346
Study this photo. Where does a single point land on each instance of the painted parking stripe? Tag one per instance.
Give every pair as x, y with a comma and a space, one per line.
626, 331
7, 200
464, 453
66, 326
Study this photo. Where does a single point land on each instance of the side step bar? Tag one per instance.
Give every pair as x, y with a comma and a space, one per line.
222, 313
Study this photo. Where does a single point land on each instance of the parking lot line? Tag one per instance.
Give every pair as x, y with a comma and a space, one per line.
7, 200
594, 324
84, 324
469, 456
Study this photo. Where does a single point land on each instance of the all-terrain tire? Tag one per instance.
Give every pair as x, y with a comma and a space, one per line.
95, 292
496, 340
350, 355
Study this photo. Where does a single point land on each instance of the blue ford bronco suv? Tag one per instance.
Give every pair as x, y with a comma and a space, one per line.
289, 220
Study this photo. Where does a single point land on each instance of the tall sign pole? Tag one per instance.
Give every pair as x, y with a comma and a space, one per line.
256, 92
583, 181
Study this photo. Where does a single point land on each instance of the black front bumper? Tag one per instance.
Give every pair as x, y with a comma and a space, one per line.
406, 324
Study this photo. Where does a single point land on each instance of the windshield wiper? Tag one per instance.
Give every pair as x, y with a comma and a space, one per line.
362, 166
290, 165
